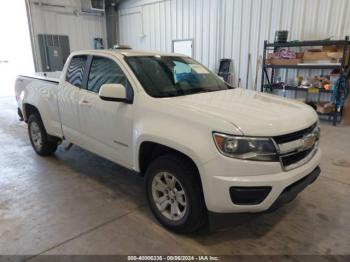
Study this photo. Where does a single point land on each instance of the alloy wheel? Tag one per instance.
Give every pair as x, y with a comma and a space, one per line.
169, 196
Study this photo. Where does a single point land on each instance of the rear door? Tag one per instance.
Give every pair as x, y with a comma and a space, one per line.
68, 98
106, 126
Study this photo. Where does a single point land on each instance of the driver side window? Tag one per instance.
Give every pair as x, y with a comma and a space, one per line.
105, 71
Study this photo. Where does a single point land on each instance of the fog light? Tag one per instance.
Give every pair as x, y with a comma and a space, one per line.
249, 195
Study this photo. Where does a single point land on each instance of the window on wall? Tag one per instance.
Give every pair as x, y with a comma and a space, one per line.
75, 70
184, 47
105, 71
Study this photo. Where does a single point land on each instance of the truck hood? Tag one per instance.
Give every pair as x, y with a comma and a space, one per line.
254, 113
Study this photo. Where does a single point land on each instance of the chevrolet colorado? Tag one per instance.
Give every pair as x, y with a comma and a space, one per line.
202, 145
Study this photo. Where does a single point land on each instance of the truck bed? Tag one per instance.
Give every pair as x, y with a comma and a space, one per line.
40, 90
46, 76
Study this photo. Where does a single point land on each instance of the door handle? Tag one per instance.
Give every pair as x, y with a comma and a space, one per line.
85, 103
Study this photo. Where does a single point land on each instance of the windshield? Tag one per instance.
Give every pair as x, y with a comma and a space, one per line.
165, 76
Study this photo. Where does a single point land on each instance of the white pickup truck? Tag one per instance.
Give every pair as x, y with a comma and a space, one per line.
202, 145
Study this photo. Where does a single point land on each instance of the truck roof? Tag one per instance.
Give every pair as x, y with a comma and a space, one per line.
125, 52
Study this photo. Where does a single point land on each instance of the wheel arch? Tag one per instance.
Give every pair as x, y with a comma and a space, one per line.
29, 109
149, 150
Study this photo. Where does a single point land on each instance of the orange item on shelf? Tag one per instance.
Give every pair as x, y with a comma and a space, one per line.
327, 87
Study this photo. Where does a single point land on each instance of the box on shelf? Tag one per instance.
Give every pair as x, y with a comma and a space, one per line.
276, 55
336, 51
335, 55
299, 55
278, 61
317, 56
325, 108
332, 48
313, 90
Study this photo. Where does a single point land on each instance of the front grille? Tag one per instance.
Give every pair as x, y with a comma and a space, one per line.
294, 158
293, 136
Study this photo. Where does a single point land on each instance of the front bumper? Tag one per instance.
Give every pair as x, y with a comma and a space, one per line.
221, 174
290, 192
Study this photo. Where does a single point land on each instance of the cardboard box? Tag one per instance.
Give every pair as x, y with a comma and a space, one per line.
298, 55
335, 55
325, 108
332, 48
277, 61
310, 55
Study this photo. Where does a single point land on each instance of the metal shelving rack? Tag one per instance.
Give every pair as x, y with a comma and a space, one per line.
274, 46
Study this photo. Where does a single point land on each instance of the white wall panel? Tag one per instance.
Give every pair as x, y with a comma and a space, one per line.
81, 29
232, 28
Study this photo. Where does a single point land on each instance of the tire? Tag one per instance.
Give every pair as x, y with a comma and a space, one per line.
40, 140
182, 175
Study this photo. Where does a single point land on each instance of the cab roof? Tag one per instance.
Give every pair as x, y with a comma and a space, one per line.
125, 52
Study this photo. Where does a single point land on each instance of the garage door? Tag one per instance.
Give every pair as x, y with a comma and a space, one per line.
15, 47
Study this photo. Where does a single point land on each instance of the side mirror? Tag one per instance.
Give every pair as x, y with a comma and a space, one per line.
113, 92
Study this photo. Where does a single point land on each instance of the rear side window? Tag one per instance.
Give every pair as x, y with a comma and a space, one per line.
105, 71
76, 70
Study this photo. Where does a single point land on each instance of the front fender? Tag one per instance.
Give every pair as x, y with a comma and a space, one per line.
194, 141
168, 143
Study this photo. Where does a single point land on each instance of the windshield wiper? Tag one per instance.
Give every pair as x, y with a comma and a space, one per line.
187, 92
163, 95
198, 91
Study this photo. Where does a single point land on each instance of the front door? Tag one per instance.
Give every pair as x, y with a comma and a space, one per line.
106, 126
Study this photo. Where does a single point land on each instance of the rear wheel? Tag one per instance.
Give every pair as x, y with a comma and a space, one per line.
40, 140
174, 193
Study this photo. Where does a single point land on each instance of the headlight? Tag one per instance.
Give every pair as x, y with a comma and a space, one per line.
247, 148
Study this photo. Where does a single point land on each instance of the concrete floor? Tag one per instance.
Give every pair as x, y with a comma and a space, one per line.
78, 203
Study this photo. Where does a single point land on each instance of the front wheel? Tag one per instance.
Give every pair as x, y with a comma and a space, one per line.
174, 194
39, 138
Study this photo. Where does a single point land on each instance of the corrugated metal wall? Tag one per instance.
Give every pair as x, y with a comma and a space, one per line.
62, 20
230, 28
